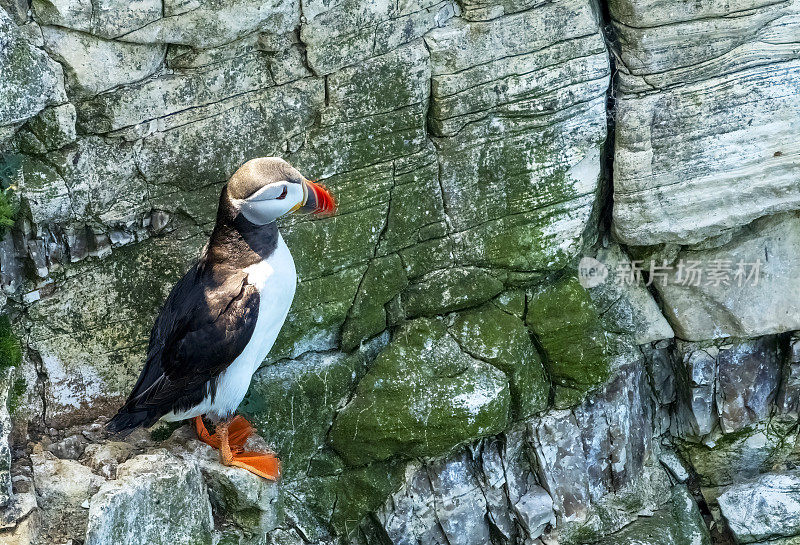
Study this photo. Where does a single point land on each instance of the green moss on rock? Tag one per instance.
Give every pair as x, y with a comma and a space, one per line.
421, 397
363, 490
568, 327
292, 403
385, 278
501, 339
448, 290
10, 348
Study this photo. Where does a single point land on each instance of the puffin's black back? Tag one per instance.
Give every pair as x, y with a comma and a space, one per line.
205, 323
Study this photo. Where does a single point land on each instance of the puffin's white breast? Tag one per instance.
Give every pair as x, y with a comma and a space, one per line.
275, 278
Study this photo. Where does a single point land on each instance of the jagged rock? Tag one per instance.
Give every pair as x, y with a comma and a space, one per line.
5, 430
31, 80
55, 127
599, 461
744, 285
702, 138
156, 498
678, 524
392, 413
765, 508
731, 385
104, 458
627, 306
63, 487
94, 65
789, 394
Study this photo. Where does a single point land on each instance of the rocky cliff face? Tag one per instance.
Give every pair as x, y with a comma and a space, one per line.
558, 304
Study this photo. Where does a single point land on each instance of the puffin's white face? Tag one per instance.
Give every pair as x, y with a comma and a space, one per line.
267, 188
272, 201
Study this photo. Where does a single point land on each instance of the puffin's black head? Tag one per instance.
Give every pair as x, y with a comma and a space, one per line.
265, 189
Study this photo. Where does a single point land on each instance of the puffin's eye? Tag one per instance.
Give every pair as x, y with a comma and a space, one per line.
283, 194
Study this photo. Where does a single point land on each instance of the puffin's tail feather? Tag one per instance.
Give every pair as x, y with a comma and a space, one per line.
124, 422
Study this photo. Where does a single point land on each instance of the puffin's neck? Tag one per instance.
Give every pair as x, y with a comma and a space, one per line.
235, 241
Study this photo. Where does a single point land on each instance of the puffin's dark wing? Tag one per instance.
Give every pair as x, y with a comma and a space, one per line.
206, 322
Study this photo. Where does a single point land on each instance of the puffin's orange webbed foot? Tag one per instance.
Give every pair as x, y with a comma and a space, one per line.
262, 464
230, 438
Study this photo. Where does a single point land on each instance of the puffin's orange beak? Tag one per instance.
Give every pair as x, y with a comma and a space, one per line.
317, 199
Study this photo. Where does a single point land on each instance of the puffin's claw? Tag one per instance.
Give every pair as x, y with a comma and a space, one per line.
238, 430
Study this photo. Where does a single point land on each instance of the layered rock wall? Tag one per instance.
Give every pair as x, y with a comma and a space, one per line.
558, 304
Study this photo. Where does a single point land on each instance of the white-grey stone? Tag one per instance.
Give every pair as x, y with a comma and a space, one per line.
156, 498
104, 18
707, 115
31, 80
62, 486
94, 65
627, 304
748, 285
764, 508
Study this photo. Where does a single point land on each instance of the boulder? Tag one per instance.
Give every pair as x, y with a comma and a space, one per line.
764, 508
421, 396
156, 498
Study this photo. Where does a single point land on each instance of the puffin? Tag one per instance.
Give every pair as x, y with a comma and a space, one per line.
221, 319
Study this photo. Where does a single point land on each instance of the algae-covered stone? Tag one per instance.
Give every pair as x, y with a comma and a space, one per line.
501, 339
421, 396
55, 127
680, 523
384, 279
448, 290
568, 326
740, 455
292, 402
143, 505
360, 491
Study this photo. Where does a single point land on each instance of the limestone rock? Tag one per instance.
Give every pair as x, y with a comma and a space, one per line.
104, 18
94, 65
142, 505
764, 508
31, 80
705, 122
63, 487
746, 285
421, 396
